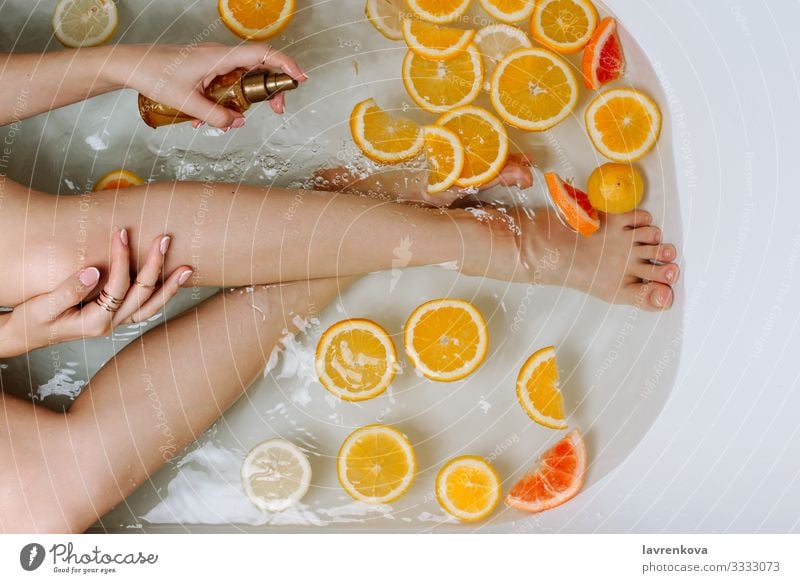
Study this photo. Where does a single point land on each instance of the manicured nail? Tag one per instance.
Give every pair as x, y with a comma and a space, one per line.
238, 122
658, 301
164, 244
123, 236
184, 277
668, 254
89, 276
670, 274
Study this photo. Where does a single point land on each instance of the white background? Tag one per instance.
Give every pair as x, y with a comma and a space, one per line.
724, 455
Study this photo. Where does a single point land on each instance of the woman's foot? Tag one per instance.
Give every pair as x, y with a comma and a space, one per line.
624, 262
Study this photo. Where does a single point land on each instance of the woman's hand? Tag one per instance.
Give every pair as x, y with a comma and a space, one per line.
176, 75
57, 316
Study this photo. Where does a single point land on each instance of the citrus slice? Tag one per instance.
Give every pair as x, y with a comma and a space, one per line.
508, 11
255, 19
558, 477
386, 17
564, 25
356, 360
445, 155
438, 11
119, 178
438, 86
573, 205
376, 464
468, 488
623, 124
496, 41
603, 59
485, 143
533, 89
275, 475
446, 339
537, 389
434, 42
382, 137
84, 23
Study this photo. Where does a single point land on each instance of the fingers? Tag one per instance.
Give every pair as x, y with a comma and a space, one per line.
285, 64
213, 114
72, 291
278, 103
146, 279
162, 295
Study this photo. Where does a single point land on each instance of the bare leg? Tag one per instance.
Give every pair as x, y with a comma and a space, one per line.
144, 406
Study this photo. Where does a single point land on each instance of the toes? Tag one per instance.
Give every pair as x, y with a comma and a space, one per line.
515, 175
632, 219
520, 158
650, 296
667, 274
651, 235
663, 253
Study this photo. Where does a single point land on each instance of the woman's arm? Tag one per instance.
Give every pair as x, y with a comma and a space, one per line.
172, 74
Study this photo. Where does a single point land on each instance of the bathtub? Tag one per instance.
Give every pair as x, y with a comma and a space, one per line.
687, 413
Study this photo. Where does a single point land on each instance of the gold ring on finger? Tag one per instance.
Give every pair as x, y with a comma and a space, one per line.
108, 308
107, 297
144, 285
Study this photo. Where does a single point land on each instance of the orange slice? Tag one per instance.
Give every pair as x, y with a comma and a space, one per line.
119, 178
438, 11
485, 143
382, 137
434, 42
468, 488
445, 155
439, 86
496, 41
376, 464
386, 17
623, 124
508, 11
255, 19
564, 25
573, 205
603, 59
356, 360
558, 477
446, 339
533, 89
537, 389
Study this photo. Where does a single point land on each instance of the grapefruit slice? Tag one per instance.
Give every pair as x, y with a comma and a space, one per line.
573, 205
558, 477
603, 60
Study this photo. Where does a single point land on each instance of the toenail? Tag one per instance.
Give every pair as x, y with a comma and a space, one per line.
670, 274
668, 253
658, 301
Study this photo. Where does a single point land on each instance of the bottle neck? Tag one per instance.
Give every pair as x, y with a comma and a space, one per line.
261, 86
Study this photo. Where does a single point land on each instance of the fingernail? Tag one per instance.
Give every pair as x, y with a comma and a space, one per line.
238, 122
184, 277
89, 276
123, 236
164, 244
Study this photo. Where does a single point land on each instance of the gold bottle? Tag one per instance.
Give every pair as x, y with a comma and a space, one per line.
236, 90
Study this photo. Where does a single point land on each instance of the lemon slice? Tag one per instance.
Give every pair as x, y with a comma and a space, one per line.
356, 360
538, 392
445, 155
84, 23
275, 475
376, 464
496, 41
382, 137
468, 488
386, 16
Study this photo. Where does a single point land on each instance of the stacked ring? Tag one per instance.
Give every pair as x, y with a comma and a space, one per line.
108, 302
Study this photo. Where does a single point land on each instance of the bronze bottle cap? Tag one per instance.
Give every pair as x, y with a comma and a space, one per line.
260, 86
